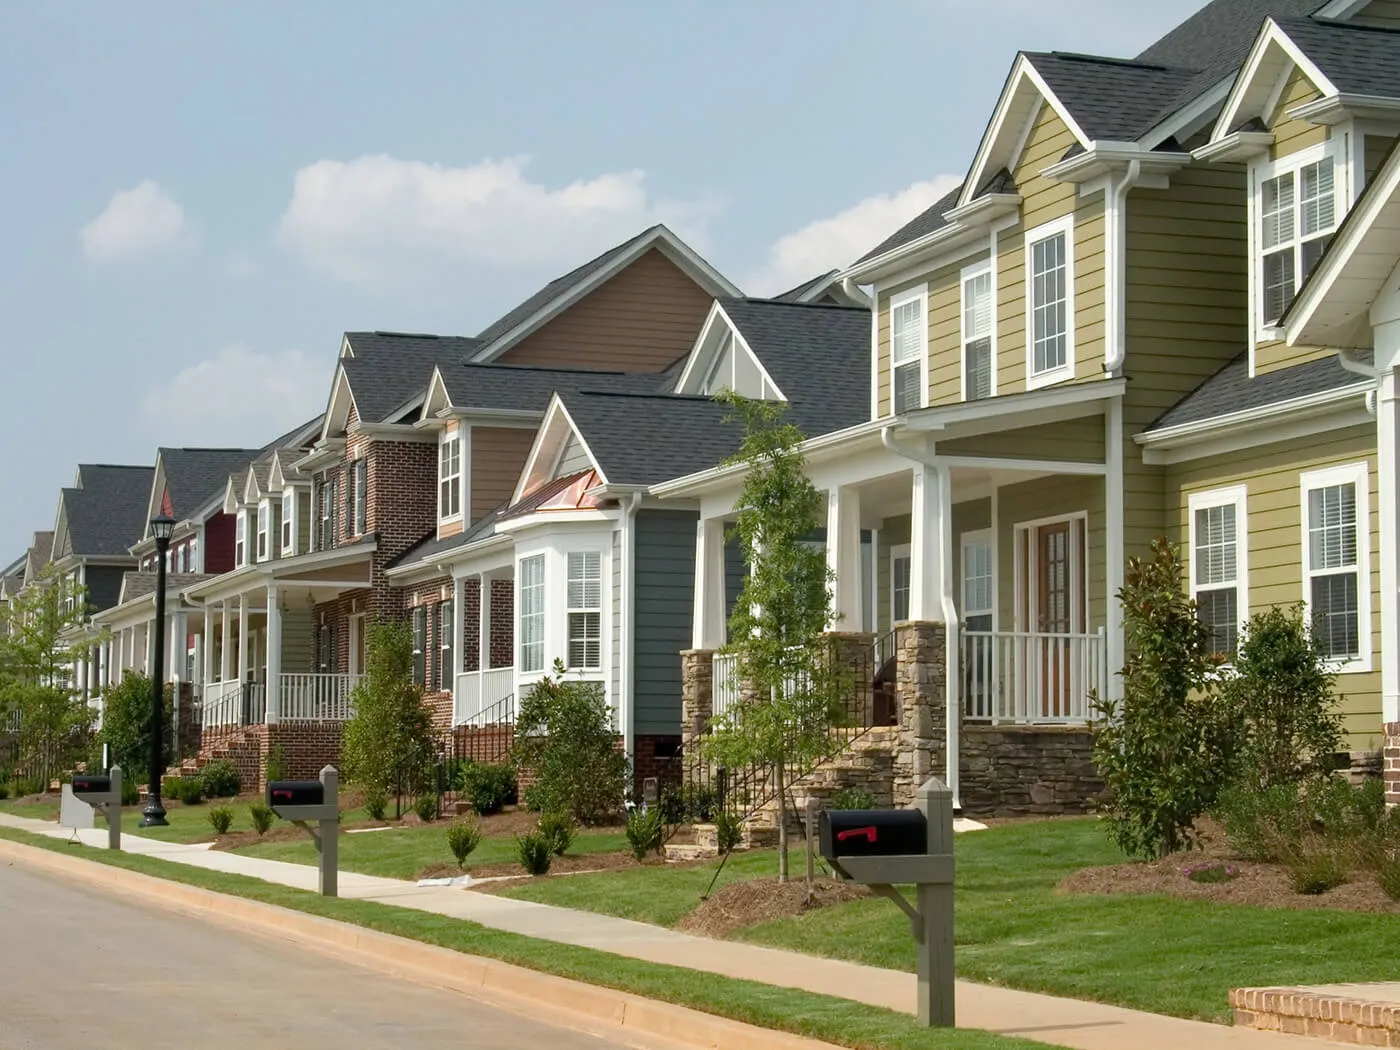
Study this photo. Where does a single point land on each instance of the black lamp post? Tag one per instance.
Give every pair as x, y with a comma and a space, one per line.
154, 814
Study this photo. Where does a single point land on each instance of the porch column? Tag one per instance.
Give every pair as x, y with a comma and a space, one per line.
843, 556
459, 628
226, 657
1115, 546
180, 645
102, 648
274, 656
242, 637
1388, 485
707, 621
208, 653
931, 597
483, 618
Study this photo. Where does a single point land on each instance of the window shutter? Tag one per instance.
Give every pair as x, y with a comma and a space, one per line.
906, 388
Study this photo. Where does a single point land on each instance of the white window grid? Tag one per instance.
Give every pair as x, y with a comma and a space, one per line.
901, 568
1218, 530
289, 515
1336, 537
1296, 204
264, 524
979, 580
532, 615
450, 478
978, 332
1050, 303
584, 605
909, 350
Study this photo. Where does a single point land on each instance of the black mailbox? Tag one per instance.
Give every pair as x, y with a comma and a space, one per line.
86, 784
873, 833
295, 793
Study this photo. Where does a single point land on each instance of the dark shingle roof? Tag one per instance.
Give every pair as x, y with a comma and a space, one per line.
1217, 38
1231, 390
529, 389
39, 554
1111, 99
1357, 59
819, 355
930, 220
298, 437
107, 513
140, 584
432, 547
194, 476
794, 295
390, 369
645, 439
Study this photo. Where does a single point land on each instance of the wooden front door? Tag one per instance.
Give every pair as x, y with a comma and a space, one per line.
1054, 612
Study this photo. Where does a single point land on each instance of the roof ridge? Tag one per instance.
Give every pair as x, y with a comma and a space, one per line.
658, 396
762, 301
384, 333
1108, 60
545, 368
1334, 23
114, 466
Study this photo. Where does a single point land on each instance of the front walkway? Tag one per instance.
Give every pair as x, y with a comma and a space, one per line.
1066, 1022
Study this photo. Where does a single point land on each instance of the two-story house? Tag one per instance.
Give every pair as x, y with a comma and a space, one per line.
1050, 339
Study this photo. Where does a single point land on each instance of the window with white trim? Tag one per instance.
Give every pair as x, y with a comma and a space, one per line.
289, 517
450, 478
584, 609
908, 349
1336, 562
1219, 536
420, 645
532, 613
1296, 211
240, 539
194, 554
360, 507
444, 645
978, 351
1050, 302
264, 525
901, 567
327, 530
978, 576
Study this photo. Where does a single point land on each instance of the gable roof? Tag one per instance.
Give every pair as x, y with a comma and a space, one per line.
1112, 99
644, 439
302, 436
1231, 390
818, 354
40, 553
388, 370
195, 475
143, 584
1358, 60
529, 389
1216, 39
930, 220
106, 512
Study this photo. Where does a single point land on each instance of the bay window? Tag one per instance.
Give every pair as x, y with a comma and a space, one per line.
450, 478
908, 350
1295, 203
532, 613
584, 609
1050, 302
977, 354
1336, 563
1219, 534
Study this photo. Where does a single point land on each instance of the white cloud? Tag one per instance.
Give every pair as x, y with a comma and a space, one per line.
242, 266
142, 221
382, 222
839, 240
240, 398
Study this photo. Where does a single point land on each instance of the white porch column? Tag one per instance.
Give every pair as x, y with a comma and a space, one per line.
843, 556
180, 645
1388, 486
459, 627
707, 620
483, 638
226, 658
242, 637
103, 648
208, 653
931, 547
1114, 546
274, 656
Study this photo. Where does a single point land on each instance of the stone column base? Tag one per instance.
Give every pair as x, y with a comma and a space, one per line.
697, 692
920, 686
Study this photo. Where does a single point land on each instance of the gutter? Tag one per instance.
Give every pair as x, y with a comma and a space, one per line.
952, 676
1115, 318
1309, 405
1351, 361
629, 572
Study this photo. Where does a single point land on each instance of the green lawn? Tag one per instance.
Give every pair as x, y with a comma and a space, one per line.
839, 1021
401, 853
1154, 953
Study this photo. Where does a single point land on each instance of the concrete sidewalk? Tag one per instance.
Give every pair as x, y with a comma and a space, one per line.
1068, 1022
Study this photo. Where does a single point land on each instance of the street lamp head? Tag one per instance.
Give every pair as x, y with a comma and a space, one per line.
161, 528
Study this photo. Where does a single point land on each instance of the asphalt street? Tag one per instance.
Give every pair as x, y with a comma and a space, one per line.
84, 970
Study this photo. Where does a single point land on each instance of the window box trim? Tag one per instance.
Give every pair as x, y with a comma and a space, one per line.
909, 295
1358, 474
570, 610
977, 538
898, 551
969, 273
288, 525
445, 513
1055, 227
1238, 497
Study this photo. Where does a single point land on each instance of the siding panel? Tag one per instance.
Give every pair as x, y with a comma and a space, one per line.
664, 597
498, 457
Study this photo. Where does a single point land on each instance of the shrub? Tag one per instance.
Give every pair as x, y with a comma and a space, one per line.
1262, 825
427, 807
646, 830
1388, 875
130, 795
564, 734
220, 819
729, 831
558, 830
188, 790
219, 779
533, 851
376, 802
4, 792
1164, 751
262, 816
276, 763
1212, 873
126, 724
463, 836
1316, 869
852, 798
1280, 696
489, 786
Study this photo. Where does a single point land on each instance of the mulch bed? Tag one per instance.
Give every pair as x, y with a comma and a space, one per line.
740, 905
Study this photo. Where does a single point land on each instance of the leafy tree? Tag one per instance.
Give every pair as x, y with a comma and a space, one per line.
388, 743
1165, 750
782, 613
565, 738
126, 724
1280, 693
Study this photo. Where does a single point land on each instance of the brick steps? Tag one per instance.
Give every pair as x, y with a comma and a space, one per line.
1360, 1014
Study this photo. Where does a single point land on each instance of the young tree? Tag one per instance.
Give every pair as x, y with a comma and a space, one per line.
126, 724
776, 629
388, 743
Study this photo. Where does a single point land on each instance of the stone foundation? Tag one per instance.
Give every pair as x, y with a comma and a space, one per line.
1027, 770
920, 680
697, 692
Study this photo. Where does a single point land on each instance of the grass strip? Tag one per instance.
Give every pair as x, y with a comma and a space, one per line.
840, 1021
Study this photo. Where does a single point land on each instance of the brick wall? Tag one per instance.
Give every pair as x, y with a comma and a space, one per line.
651, 758
306, 747
502, 623
1391, 763
471, 626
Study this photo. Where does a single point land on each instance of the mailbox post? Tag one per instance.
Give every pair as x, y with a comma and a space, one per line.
104, 793
887, 848
301, 801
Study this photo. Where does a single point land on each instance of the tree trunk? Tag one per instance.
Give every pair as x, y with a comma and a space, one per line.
782, 824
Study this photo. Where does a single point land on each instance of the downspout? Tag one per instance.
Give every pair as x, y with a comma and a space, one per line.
1115, 336
629, 546
952, 679
1352, 362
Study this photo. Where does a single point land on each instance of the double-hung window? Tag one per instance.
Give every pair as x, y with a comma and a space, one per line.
977, 343
450, 478
264, 526
1219, 564
361, 495
420, 645
444, 646
585, 610
908, 349
1050, 302
1336, 562
289, 517
327, 529
1296, 205
900, 570
532, 613
977, 575
240, 539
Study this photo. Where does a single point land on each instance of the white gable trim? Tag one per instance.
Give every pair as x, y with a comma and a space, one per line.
153, 501
437, 399
705, 330
549, 444
1341, 9
661, 238
1273, 43
703, 355
338, 408
1022, 73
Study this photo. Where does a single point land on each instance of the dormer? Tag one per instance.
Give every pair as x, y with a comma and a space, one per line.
290, 490
723, 360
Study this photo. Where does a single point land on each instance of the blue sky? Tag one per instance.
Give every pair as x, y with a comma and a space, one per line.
196, 200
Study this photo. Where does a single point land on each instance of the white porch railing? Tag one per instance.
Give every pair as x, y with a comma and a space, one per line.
477, 691
317, 697
1025, 677
221, 705
725, 684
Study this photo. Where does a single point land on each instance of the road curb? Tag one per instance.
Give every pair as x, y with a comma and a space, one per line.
599, 1011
